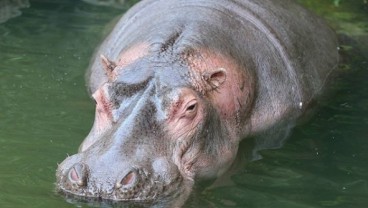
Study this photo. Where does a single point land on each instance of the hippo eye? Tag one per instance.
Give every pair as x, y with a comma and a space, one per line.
192, 107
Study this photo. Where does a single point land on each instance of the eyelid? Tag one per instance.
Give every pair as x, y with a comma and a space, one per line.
190, 103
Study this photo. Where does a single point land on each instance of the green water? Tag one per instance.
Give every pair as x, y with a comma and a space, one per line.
46, 113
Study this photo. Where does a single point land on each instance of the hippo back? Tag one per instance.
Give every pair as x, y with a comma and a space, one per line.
289, 51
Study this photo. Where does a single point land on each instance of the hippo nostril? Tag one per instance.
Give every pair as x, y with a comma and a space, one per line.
128, 180
78, 174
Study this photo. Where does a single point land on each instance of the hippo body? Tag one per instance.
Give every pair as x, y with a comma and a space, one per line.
180, 83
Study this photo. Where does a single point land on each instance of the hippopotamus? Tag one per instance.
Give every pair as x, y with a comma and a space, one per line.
178, 84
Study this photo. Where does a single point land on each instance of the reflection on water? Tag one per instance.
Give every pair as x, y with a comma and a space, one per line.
11, 8
46, 113
112, 3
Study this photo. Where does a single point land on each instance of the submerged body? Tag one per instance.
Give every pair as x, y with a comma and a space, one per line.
181, 83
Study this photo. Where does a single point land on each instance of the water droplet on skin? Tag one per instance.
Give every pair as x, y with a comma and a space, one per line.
118, 185
300, 105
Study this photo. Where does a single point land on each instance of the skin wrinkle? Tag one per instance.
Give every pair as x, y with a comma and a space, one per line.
239, 86
179, 151
180, 134
276, 42
187, 146
197, 79
201, 152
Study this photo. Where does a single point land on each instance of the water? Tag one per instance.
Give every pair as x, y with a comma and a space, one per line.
46, 113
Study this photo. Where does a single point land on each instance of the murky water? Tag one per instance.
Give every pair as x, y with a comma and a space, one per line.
46, 113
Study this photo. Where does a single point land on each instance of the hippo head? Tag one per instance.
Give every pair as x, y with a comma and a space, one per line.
159, 127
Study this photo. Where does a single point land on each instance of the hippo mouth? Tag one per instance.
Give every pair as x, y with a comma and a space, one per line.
137, 186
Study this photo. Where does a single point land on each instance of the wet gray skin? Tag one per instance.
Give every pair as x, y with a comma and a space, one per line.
181, 83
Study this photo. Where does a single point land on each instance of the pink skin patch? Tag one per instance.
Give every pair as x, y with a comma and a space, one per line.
103, 105
132, 54
103, 117
103, 110
126, 57
229, 88
185, 114
233, 94
129, 56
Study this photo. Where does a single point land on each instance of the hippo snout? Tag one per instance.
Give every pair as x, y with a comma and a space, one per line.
78, 176
120, 183
132, 184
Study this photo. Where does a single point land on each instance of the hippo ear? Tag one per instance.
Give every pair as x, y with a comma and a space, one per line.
108, 65
215, 78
